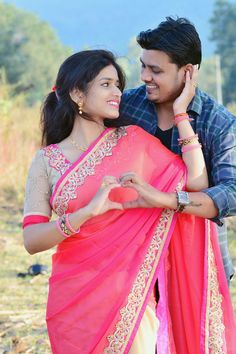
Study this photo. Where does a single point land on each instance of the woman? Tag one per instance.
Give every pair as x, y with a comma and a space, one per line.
114, 192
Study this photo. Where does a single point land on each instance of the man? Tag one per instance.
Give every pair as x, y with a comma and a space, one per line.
168, 52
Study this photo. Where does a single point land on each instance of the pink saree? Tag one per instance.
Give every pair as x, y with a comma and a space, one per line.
103, 276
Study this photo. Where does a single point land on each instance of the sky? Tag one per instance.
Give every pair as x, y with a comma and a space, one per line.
111, 23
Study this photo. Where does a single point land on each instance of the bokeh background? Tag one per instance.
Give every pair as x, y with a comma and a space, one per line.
35, 37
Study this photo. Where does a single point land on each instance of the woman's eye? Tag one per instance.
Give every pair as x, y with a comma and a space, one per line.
105, 84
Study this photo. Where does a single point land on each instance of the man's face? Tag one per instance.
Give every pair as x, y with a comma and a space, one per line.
164, 80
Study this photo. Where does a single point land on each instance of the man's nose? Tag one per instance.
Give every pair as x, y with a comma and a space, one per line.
146, 75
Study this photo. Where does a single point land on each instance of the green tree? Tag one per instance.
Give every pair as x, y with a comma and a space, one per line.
30, 52
223, 33
207, 76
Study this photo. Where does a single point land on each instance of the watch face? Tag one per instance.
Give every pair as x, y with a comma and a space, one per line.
183, 198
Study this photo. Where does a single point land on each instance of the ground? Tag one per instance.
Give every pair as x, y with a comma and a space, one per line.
23, 300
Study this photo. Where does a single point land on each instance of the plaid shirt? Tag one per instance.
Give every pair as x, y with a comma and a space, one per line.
216, 128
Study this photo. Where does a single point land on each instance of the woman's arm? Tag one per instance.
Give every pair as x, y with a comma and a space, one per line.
193, 158
43, 236
150, 197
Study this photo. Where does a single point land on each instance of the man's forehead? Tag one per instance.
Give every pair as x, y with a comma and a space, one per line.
153, 57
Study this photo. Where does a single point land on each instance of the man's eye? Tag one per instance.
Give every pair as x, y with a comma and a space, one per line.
156, 71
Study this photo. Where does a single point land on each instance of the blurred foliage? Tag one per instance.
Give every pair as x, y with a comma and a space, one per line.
131, 64
20, 137
232, 107
207, 76
223, 33
30, 53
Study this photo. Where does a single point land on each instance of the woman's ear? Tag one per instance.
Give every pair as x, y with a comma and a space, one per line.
77, 96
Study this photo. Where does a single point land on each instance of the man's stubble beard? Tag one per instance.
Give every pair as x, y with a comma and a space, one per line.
169, 99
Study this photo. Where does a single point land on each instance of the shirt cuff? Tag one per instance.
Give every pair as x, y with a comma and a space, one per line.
220, 200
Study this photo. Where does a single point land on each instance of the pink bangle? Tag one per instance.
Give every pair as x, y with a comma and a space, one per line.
60, 229
68, 224
191, 147
181, 117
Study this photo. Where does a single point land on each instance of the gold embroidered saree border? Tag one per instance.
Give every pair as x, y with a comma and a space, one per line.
214, 332
129, 314
86, 167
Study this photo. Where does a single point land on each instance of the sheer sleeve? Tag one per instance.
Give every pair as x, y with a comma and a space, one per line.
38, 191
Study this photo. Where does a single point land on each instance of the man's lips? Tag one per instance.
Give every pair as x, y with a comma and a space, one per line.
150, 88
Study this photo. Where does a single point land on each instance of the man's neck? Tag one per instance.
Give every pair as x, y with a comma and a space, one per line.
165, 115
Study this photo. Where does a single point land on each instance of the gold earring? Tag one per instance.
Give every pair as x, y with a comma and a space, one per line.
80, 104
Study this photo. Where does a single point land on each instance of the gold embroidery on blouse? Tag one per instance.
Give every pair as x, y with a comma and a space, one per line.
56, 159
85, 169
123, 329
214, 340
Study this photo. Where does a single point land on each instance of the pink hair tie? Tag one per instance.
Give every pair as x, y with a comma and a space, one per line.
54, 88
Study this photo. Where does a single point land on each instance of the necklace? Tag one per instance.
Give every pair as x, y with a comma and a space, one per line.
77, 146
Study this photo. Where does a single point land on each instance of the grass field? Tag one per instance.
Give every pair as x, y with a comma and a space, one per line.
23, 300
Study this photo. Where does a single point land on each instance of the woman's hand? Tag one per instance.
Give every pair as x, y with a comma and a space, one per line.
149, 197
181, 103
101, 202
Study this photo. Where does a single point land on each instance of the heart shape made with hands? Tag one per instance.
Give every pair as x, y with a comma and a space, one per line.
122, 194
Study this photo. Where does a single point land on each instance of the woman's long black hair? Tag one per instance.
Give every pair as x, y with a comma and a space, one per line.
59, 110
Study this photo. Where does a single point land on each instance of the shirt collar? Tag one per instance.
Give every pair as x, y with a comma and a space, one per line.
196, 103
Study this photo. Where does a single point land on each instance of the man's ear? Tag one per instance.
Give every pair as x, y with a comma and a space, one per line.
189, 68
77, 96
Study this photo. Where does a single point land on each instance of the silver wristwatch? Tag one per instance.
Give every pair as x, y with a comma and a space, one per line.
182, 200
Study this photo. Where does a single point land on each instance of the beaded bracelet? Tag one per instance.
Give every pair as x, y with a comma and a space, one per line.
68, 224
62, 227
191, 147
188, 140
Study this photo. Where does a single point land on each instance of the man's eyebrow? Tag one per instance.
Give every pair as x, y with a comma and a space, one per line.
150, 66
108, 79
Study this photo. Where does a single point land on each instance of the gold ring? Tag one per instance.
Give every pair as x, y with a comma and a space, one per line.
195, 85
104, 184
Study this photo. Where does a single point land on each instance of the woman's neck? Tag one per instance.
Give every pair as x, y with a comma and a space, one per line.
85, 131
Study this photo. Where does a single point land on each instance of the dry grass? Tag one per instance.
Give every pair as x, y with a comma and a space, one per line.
23, 300
20, 137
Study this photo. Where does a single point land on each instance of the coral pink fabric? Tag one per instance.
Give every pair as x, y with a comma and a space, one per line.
102, 277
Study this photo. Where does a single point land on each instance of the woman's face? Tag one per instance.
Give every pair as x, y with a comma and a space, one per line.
102, 99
